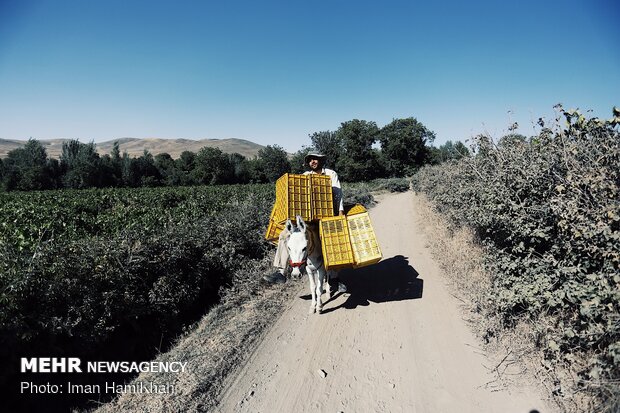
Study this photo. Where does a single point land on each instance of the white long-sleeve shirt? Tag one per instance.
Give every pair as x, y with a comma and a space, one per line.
336, 189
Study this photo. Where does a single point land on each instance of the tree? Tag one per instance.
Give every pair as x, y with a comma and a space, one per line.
80, 163
116, 163
212, 167
167, 169
297, 160
329, 144
140, 171
403, 146
130, 172
28, 168
107, 177
54, 172
185, 166
240, 167
274, 162
147, 171
359, 161
448, 151
256, 171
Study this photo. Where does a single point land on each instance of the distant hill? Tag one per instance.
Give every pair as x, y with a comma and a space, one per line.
136, 147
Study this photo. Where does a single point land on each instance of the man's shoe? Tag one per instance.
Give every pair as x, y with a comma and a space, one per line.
275, 278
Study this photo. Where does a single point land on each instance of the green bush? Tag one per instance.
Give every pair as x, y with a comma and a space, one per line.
358, 193
548, 211
392, 184
361, 192
143, 261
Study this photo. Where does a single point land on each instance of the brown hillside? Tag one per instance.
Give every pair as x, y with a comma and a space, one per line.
136, 147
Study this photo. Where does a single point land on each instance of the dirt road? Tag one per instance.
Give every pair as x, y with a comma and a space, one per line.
396, 343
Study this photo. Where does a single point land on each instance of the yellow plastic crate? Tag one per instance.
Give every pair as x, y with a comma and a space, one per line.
355, 209
274, 228
307, 195
293, 197
322, 200
364, 243
336, 243
273, 231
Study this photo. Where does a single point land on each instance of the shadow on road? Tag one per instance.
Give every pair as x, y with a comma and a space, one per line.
392, 279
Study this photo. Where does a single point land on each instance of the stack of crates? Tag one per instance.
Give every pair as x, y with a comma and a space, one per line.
322, 200
349, 241
346, 241
309, 196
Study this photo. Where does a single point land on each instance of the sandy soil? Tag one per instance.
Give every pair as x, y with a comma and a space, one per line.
395, 343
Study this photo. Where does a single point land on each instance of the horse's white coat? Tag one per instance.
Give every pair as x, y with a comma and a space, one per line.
304, 250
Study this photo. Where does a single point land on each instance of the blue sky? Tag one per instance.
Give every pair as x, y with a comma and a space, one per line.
273, 72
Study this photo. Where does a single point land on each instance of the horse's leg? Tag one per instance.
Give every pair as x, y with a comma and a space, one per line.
324, 274
319, 290
312, 291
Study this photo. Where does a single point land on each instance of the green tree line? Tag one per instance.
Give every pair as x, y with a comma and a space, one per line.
359, 150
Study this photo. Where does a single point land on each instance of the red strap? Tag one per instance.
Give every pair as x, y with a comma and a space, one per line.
296, 264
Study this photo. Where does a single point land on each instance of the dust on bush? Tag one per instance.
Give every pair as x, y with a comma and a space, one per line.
547, 212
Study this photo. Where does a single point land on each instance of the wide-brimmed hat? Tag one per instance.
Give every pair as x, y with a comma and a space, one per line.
314, 155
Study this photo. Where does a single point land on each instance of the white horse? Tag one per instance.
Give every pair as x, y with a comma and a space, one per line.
304, 250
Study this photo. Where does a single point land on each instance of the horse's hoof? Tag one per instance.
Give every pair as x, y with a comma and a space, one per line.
319, 310
311, 311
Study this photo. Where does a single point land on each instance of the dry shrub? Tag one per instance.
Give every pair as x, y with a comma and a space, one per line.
547, 211
461, 258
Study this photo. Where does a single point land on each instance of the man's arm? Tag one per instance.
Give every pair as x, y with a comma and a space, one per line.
337, 191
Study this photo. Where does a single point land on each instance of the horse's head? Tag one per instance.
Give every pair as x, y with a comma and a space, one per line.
297, 245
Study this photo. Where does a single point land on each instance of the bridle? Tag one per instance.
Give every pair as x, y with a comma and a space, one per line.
304, 260
297, 264
309, 250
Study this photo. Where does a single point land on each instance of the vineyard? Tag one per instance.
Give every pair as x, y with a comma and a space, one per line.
119, 272
547, 211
